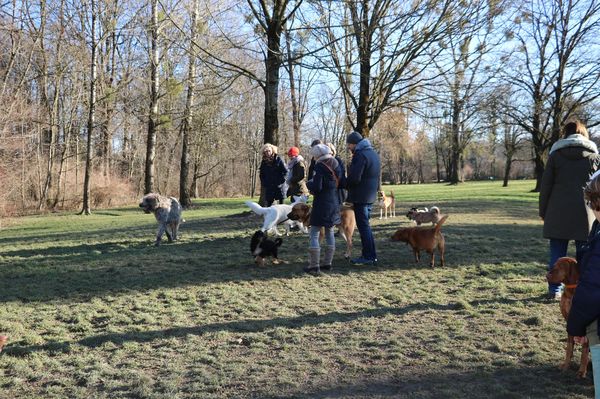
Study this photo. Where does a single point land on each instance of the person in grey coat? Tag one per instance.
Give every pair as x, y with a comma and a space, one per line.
572, 160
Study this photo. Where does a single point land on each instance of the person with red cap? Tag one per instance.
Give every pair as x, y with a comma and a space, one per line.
296, 176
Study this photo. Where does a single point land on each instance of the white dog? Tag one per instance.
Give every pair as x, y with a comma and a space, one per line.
274, 215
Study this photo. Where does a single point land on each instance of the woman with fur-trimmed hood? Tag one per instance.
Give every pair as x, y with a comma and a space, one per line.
572, 160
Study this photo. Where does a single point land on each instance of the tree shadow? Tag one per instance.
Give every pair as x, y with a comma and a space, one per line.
217, 250
248, 326
520, 381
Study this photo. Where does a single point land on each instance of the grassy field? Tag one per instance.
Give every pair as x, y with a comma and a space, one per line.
93, 310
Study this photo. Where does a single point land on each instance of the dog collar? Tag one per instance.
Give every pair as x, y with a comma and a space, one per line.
570, 285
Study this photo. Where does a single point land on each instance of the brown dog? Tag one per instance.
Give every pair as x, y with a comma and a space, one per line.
566, 271
301, 212
426, 239
3, 341
386, 204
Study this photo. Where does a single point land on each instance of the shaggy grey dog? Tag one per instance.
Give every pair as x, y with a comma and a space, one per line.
167, 211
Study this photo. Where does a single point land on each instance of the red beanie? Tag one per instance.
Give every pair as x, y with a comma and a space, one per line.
293, 151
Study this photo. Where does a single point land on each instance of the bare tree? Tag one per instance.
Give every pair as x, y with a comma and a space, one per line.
378, 51
555, 69
186, 125
86, 209
154, 92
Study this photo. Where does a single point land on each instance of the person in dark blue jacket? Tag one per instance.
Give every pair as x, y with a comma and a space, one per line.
326, 207
272, 176
584, 317
362, 182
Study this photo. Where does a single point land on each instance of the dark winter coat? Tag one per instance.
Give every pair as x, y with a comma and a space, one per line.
362, 180
323, 186
571, 163
297, 181
342, 192
585, 307
272, 177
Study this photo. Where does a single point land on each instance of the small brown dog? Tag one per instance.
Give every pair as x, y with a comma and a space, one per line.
386, 203
426, 239
432, 215
301, 212
566, 271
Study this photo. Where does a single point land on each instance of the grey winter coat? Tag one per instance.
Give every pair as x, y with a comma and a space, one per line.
571, 163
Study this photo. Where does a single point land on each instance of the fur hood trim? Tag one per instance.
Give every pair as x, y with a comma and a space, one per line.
574, 140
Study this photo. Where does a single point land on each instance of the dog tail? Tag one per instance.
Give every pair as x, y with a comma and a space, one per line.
259, 210
278, 242
392, 195
438, 226
434, 209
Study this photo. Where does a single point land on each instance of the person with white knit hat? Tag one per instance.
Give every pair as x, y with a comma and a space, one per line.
325, 211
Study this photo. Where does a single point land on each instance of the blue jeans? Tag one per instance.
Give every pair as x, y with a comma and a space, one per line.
595, 353
558, 249
363, 212
313, 236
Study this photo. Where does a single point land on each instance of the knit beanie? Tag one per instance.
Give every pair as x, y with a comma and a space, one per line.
354, 138
319, 150
293, 151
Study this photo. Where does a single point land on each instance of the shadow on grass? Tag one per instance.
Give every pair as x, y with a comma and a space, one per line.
246, 326
120, 259
520, 381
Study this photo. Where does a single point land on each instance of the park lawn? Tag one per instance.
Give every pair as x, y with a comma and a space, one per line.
93, 310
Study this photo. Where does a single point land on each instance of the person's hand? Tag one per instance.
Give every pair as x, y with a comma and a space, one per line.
580, 340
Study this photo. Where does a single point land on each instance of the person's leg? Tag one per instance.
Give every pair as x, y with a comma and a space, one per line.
314, 250
558, 249
595, 353
329, 248
362, 212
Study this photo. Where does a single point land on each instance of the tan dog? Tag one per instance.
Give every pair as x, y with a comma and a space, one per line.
426, 239
566, 271
301, 213
386, 203
420, 216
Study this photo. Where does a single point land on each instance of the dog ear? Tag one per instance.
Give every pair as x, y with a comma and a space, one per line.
278, 242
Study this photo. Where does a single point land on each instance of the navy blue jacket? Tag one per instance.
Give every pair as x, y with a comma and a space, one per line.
363, 174
323, 186
586, 301
272, 175
342, 192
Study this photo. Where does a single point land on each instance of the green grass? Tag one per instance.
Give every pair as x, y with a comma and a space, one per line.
93, 310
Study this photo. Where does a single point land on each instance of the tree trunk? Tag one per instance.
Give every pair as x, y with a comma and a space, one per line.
91, 118
153, 117
272, 64
184, 194
295, 107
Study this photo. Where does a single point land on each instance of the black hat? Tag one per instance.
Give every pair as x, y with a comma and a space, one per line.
354, 138
315, 142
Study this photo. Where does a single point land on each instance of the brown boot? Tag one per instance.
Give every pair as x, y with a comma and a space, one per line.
313, 261
328, 257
